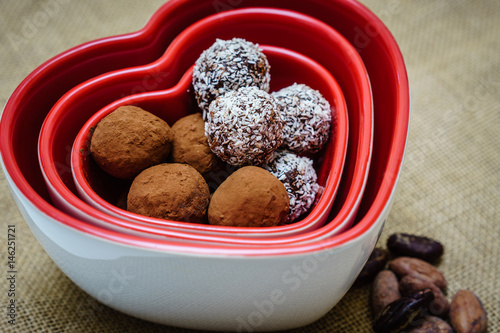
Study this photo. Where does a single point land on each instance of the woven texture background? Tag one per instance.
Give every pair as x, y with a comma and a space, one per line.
450, 183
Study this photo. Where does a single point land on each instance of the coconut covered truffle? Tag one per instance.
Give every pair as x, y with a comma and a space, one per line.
250, 197
299, 178
244, 127
190, 145
170, 191
307, 116
228, 65
129, 140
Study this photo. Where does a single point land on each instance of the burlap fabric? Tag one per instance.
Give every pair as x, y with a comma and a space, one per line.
450, 183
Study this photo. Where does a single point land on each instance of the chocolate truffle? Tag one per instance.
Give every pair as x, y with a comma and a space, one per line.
299, 178
307, 116
244, 127
190, 145
129, 140
250, 197
170, 191
228, 65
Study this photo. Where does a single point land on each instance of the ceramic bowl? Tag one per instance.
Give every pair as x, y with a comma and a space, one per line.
286, 287
327, 47
206, 287
102, 191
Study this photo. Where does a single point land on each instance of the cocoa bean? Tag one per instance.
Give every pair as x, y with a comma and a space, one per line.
401, 244
467, 313
399, 314
416, 267
432, 325
441, 325
410, 284
385, 290
376, 262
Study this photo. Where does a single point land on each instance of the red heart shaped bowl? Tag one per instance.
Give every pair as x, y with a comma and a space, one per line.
100, 190
260, 25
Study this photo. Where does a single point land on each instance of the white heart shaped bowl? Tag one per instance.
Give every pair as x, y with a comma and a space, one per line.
200, 287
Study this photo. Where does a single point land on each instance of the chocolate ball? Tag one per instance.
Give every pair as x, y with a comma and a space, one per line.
244, 127
129, 140
299, 178
190, 145
170, 191
307, 115
250, 197
228, 65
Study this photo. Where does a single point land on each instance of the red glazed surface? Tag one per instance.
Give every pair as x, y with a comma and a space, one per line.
287, 67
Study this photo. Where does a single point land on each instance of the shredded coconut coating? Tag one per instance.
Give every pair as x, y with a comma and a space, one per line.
308, 118
244, 127
228, 65
299, 177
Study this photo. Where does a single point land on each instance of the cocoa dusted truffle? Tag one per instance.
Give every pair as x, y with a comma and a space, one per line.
170, 191
190, 145
129, 140
228, 65
307, 116
244, 127
299, 178
250, 197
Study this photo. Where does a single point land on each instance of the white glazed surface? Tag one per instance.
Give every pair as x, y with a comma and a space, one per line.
203, 291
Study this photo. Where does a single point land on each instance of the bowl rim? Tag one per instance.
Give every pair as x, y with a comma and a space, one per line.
394, 163
362, 153
337, 153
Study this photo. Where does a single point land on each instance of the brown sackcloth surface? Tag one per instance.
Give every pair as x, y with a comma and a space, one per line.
450, 183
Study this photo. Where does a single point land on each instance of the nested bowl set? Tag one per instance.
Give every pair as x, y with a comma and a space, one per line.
203, 276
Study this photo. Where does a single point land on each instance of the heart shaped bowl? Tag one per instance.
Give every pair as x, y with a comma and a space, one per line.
255, 24
94, 185
200, 287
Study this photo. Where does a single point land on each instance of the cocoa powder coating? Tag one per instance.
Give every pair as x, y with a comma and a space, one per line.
170, 191
129, 140
250, 197
190, 145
